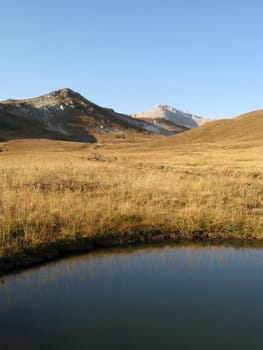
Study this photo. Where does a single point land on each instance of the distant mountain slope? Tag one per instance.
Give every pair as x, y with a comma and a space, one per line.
64, 114
169, 117
244, 128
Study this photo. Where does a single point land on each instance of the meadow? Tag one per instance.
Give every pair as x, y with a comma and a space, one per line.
65, 192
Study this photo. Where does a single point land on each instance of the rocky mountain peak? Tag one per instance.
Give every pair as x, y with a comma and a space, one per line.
59, 97
164, 113
65, 93
62, 96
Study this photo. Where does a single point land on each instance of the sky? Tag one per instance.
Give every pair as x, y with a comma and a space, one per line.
200, 56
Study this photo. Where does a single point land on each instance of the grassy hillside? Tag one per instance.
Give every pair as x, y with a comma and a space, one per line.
245, 128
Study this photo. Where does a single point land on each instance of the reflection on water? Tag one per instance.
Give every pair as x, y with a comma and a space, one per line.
158, 297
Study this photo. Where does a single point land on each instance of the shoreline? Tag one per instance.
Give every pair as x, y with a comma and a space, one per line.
46, 252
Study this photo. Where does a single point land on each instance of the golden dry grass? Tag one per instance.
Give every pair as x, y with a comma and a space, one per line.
59, 190
245, 128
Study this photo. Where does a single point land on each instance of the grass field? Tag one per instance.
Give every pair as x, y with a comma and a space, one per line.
59, 196
53, 191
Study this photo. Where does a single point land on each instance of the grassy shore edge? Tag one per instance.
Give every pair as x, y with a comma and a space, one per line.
46, 252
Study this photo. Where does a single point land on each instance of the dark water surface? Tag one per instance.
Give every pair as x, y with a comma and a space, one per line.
172, 297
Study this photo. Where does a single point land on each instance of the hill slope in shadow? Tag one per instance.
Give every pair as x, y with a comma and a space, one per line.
64, 115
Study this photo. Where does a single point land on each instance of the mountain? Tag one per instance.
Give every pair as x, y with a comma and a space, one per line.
246, 128
65, 115
170, 118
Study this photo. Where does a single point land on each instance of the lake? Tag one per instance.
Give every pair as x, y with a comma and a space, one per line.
161, 297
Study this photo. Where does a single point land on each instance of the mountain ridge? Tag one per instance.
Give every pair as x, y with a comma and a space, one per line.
67, 115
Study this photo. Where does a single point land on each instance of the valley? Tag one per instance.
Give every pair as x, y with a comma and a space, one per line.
60, 196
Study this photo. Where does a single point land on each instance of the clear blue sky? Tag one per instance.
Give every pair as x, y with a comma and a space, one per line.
202, 56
